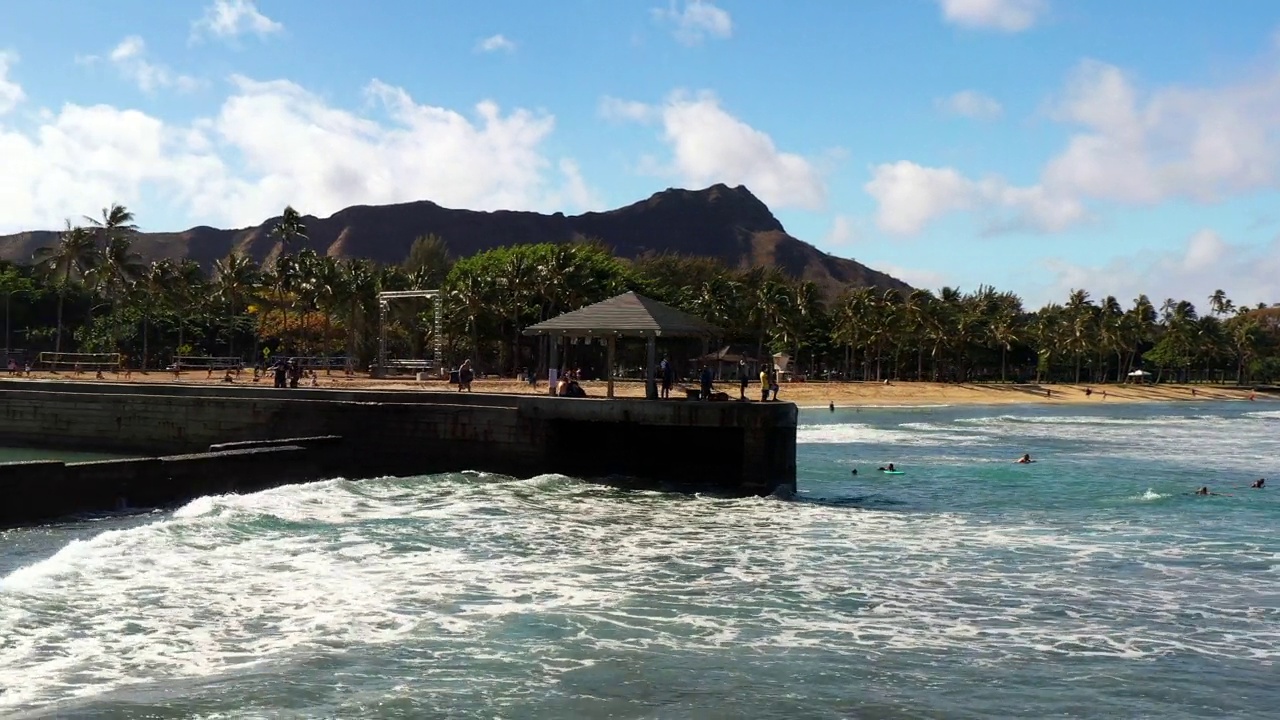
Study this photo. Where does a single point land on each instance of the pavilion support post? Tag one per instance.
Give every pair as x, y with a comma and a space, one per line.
612, 343
553, 367
651, 368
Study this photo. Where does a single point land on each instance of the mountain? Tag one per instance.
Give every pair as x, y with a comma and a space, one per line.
730, 224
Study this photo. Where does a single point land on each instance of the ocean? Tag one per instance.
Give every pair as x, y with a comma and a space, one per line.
1089, 584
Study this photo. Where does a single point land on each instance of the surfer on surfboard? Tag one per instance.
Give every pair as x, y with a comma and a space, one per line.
1024, 460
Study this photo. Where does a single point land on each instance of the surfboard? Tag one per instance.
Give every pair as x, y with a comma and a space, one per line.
894, 472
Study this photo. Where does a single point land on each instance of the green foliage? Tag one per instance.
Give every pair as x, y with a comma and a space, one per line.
90, 292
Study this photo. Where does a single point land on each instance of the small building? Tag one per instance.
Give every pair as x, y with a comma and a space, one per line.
626, 316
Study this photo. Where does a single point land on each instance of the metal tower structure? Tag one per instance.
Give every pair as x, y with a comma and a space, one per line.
384, 301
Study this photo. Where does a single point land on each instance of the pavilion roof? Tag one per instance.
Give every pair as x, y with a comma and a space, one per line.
627, 315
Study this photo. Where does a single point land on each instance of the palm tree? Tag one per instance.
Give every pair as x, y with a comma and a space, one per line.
1080, 313
1220, 304
1003, 332
289, 229
150, 293
1244, 336
915, 312
73, 257
1111, 331
516, 281
185, 295
326, 290
119, 269
235, 282
357, 296
285, 278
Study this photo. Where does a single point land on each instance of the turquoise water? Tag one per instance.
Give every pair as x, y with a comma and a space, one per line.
1086, 585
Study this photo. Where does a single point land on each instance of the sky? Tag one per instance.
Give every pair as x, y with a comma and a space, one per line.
1034, 145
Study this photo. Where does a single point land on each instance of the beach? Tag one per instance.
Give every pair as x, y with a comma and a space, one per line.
804, 394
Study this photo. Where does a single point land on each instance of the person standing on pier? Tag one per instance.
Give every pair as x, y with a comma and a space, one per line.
668, 376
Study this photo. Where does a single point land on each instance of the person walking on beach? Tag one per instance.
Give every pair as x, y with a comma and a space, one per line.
742, 380
668, 374
706, 382
465, 376
278, 373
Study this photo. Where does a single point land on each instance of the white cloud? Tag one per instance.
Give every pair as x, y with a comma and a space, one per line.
1191, 143
1004, 15
708, 146
494, 43
129, 58
843, 232
275, 143
911, 196
612, 108
1203, 263
1196, 143
11, 93
231, 18
971, 104
696, 20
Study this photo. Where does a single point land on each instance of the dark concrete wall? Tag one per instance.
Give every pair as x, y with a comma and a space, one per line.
41, 491
727, 446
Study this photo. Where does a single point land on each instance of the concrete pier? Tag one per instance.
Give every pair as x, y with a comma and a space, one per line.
730, 447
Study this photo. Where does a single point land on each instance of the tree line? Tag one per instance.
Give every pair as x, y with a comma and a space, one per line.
91, 292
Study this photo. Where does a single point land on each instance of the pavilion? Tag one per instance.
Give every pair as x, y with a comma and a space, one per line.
628, 315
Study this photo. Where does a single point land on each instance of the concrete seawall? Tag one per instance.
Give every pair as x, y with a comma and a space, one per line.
733, 447
44, 490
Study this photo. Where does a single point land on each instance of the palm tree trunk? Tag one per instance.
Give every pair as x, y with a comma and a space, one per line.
57, 340
146, 331
1004, 349
351, 335
324, 348
231, 332
475, 339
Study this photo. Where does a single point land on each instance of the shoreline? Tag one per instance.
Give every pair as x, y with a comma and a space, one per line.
845, 395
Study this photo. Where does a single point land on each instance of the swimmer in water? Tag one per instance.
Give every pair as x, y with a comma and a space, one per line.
890, 468
1205, 491
855, 471
1024, 460
831, 406
1257, 484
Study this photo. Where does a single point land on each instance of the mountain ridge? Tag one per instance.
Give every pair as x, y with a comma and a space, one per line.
731, 225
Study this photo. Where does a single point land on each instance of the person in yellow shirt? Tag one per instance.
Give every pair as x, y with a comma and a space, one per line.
764, 384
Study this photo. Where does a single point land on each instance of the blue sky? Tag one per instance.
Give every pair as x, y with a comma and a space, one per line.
1035, 145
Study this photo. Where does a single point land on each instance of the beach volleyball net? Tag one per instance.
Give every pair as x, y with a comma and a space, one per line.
78, 362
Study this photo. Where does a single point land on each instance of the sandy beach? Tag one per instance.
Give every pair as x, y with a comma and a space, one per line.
812, 394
